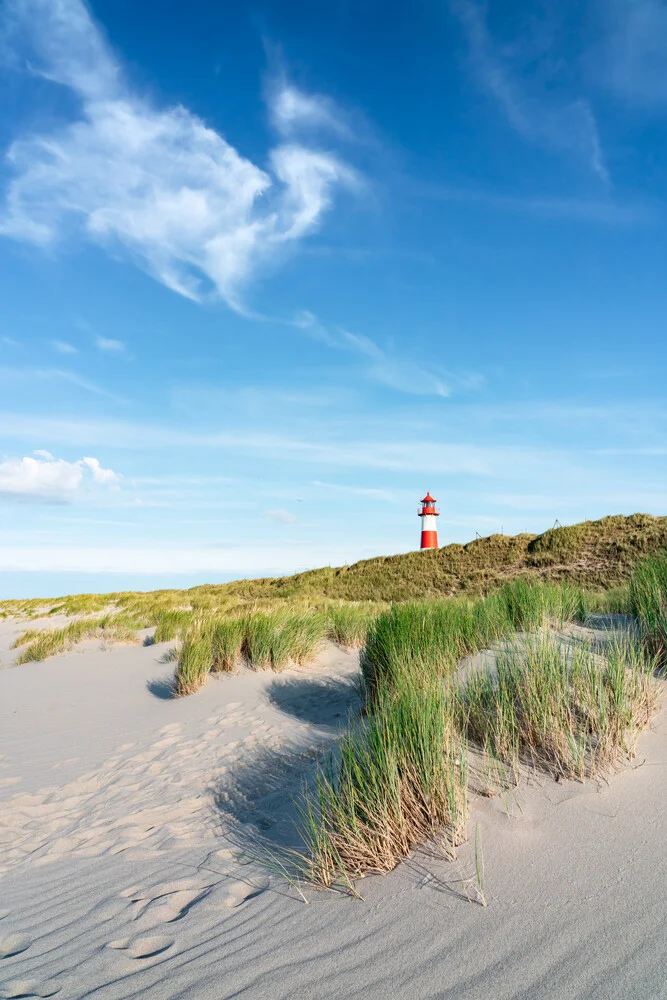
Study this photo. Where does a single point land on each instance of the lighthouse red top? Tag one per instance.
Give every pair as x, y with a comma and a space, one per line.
428, 506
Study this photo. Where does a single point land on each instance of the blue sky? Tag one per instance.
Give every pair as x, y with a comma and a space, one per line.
270, 272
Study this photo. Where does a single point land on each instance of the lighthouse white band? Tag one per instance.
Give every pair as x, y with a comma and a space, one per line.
429, 522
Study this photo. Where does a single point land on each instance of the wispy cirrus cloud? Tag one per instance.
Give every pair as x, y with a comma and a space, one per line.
602, 211
629, 54
394, 372
280, 516
156, 183
108, 345
62, 347
370, 492
400, 452
142, 559
292, 111
566, 126
33, 376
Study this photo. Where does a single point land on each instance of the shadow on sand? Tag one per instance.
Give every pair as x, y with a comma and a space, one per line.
326, 703
162, 688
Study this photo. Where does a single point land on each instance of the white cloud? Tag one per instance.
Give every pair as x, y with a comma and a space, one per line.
9, 341
63, 348
49, 478
101, 475
156, 183
566, 125
281, 516
106, 344
292, 110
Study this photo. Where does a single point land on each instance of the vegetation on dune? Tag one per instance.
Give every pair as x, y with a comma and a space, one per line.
42, 643
397, 780
593, 554
433, 636
194, 659
268, 640
571, 708
402, 773
171, 624
648, 601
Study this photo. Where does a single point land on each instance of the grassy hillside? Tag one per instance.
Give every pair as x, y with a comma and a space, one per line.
593, 554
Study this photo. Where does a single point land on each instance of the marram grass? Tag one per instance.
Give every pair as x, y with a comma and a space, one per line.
267, 640
567, 707
399, 778
433, 636
394, 782
648, 601
42, 643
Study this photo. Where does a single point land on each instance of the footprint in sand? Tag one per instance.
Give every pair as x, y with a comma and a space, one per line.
107, 909
14, 945
237, 893
168, 909
27, 988
142, 946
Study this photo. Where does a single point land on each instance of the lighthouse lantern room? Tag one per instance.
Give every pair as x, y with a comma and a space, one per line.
428, 514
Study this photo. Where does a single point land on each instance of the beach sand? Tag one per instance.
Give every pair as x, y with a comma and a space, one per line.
130, 825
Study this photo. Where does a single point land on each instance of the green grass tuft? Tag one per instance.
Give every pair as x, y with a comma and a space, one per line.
648, 601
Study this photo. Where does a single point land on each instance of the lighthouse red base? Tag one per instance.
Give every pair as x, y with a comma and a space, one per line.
428, 514
429, 540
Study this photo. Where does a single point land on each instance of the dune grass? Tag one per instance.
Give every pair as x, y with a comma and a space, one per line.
349, 623
42, 643
226, 643
268, 640
433, 636
570, 709
567, 707
195, 658
171, 624
395, 781
648, 600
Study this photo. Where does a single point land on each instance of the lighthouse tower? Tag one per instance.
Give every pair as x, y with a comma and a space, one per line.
428, 514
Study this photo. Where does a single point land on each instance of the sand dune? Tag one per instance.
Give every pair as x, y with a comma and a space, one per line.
130, 823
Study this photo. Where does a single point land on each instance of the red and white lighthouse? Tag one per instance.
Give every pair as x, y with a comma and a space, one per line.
428, 514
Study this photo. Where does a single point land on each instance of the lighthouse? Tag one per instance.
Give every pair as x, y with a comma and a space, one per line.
428, 514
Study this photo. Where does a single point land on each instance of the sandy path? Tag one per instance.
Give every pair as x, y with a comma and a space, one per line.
122, 875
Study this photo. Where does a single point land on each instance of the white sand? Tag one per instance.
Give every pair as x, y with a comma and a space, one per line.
124, 816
